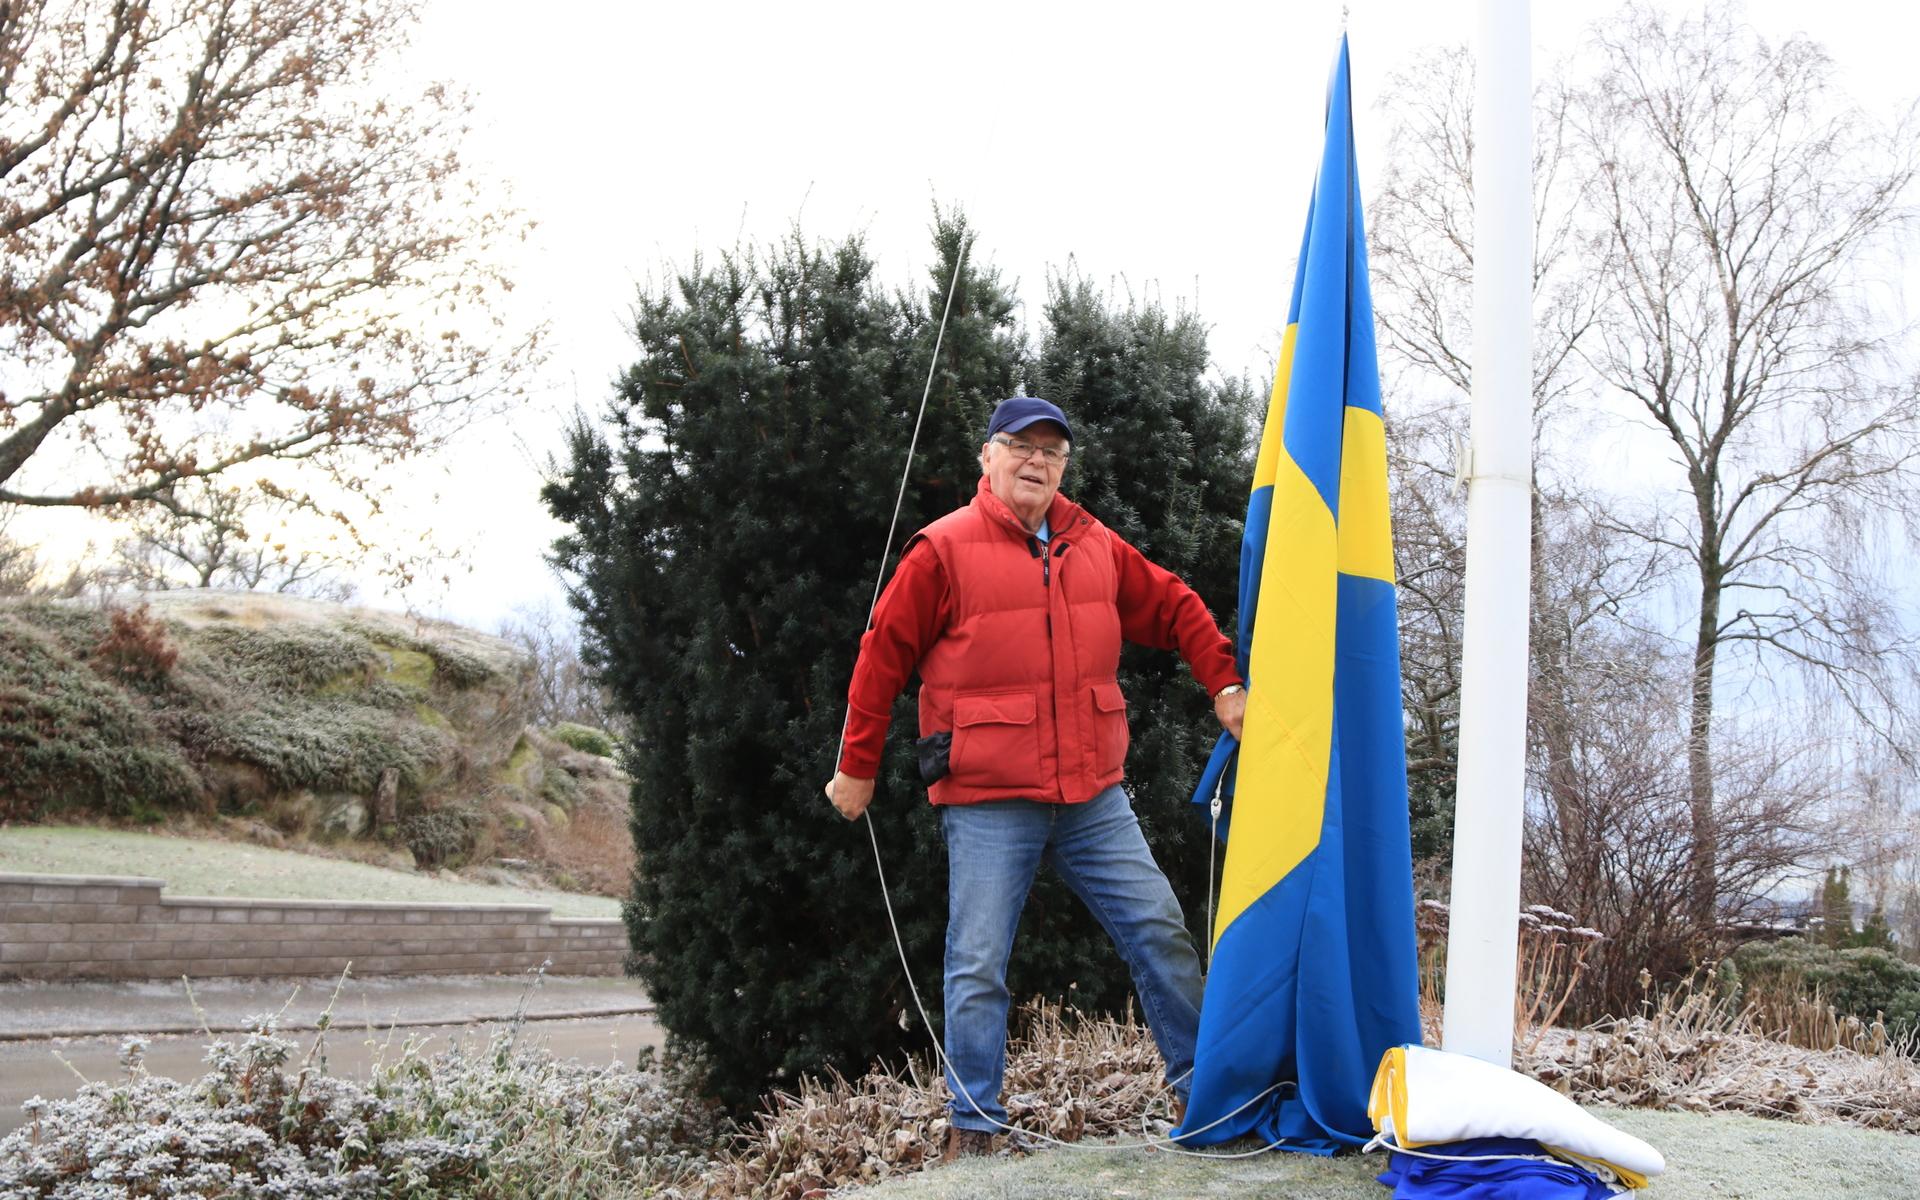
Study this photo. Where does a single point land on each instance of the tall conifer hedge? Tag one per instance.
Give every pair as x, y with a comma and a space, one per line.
725, 522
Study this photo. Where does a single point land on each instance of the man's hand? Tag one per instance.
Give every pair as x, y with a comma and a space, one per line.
1231, 708
851, 796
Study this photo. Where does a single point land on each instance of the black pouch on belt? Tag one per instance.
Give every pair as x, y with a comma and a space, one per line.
932, 751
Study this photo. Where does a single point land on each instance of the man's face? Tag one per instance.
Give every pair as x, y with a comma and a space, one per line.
1025, 482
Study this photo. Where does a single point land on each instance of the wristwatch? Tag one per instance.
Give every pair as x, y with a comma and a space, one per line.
1228, 690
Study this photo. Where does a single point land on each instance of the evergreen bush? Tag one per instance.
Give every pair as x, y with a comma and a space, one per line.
1863, 982
724, 531
587, 740
441, 837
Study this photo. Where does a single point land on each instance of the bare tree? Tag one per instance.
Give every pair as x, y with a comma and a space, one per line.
1883, 847
1609, 834
1420, 236
23, 573
221, 243
1737, 200
204, 535
1429, 553
1704, 211
567, 690
1610, 837
1421, 254
19, 565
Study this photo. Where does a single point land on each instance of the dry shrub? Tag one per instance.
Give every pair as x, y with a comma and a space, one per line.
442, 837
1550, 960
1069, 1076
1809, 1021
592, 852
885, 1124
1694, 1051
136, 647
1430, 931
1552, 957
481, 1120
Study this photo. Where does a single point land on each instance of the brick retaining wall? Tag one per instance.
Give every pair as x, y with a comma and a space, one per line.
113, 927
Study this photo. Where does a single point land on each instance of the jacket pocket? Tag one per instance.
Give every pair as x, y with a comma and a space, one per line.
996, 741
1110, 733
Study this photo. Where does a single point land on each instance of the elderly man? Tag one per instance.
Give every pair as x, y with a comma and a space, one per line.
1013, 609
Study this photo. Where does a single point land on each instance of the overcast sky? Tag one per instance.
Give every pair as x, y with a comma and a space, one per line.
1171, 147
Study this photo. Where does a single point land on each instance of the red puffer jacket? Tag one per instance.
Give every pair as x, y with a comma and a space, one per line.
1024, 676
1017, 648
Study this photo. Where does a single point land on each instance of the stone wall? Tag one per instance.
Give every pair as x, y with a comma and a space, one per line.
112, 927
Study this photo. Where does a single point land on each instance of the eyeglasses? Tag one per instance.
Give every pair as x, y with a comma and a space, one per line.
1025, 449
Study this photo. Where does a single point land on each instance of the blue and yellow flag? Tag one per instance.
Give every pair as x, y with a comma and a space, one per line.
1313, 968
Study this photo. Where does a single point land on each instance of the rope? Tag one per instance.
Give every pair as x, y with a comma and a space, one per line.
1384, 1140
879, 866
1604, 1172
900, 946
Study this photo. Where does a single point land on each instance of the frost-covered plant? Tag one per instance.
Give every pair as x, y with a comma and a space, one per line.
1695, 1049
441, 837
1553, 952
499, 1120
554, 1127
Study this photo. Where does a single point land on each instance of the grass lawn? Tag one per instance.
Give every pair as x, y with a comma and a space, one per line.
1725, 1156
194, 866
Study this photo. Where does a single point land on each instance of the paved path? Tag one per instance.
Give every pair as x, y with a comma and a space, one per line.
591, 1019
30, 1010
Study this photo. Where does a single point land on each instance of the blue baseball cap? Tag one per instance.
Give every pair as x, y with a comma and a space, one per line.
1011, 416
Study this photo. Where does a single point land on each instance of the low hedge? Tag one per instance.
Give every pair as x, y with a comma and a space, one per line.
1862, 983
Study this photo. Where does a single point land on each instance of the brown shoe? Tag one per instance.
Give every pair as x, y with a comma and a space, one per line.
1020, 1144
966, 1143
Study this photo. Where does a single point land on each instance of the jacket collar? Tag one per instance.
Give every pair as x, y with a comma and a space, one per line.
1063, 515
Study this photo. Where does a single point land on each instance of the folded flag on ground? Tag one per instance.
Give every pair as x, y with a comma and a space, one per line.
1462, 1127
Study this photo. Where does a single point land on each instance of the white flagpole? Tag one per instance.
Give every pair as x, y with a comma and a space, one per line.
1483, 930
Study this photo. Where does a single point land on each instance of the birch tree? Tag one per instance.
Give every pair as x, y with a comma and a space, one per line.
1421, 251
1708, 213
1738, 203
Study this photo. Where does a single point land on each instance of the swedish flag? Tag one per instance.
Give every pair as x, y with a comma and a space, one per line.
1313, 968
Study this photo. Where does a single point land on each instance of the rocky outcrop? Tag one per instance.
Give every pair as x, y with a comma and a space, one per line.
311, 719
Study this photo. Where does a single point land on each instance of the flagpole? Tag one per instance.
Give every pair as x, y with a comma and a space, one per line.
1483, 930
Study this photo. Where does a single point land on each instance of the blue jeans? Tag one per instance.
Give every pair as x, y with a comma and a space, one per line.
993, 851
